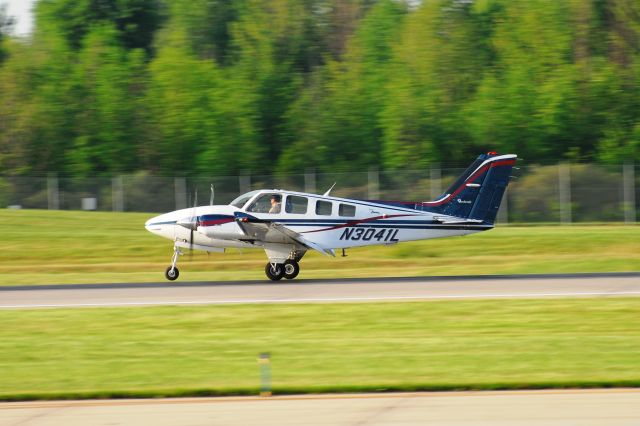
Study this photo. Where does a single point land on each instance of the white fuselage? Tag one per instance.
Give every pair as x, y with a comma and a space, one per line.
329, 222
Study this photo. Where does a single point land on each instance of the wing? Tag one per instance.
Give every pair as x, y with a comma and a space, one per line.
275, 232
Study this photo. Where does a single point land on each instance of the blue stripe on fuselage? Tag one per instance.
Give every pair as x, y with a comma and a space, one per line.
172, 222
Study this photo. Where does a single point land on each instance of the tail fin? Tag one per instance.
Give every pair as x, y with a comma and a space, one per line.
476, 195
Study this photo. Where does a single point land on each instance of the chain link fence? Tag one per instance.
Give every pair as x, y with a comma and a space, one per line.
562, 193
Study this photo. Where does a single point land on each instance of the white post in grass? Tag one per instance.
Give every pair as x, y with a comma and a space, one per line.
264, 361
629, 192
564, 185
180, 192
53, 194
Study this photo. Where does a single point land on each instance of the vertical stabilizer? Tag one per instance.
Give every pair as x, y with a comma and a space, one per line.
476, 195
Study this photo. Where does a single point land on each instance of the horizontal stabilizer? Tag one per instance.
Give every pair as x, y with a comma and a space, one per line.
456, 220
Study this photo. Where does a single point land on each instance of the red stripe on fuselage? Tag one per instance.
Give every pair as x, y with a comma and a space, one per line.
216, 222
356, 222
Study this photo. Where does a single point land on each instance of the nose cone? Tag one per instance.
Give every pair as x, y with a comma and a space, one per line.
161, 225
153, 225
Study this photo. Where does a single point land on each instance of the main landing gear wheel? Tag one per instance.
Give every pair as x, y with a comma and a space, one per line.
172, 273
291, 269
275, 271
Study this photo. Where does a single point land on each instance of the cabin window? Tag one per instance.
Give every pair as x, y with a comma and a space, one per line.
323, 208
296, 205
347, 210
242, 200
267, 203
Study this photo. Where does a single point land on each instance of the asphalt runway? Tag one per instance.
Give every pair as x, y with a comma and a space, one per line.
613, 407
321, 291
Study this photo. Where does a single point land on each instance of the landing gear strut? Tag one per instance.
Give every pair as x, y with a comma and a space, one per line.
172, 273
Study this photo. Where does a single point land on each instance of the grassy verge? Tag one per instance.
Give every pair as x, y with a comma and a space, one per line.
212, 350
44, 247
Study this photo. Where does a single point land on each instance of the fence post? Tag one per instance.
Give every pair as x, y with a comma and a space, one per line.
53, 194
435, 178
373, 184
503, 212
564, 185
310, 181
629, 192
117, 194
245, 183
180, 192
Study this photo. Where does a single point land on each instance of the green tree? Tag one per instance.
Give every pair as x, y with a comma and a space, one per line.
436, 70
180, 104
135, 20
618, 80
268, 53
335, 124
36, 118
528, 97
6, 23
207, 24
106, 118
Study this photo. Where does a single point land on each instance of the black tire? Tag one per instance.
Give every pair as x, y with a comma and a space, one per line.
172, 273
291, 269
274, 274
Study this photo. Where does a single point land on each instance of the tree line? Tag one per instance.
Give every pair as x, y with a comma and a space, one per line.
224, 87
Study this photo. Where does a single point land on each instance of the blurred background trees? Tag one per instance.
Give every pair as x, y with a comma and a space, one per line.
234, 86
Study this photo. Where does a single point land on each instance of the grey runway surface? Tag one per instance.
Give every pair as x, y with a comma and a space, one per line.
318, 291
613, 407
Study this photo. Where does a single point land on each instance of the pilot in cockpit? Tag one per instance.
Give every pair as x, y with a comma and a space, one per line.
275, 203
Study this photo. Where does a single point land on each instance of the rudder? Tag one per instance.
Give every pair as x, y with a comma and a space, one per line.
476, 195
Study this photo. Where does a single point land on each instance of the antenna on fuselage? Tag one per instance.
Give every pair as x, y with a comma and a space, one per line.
326, 194
212, 195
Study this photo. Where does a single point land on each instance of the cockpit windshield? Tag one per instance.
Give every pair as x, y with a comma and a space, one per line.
242, 200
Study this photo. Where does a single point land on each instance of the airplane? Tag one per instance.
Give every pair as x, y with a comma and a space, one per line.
287, 224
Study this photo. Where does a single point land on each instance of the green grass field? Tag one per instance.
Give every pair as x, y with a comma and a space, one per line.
43, 247
209, 350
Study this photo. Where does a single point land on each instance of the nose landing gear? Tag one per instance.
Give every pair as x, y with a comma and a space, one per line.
172, 273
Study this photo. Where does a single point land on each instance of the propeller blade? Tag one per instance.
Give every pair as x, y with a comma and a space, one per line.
212, 195
194, 226
191, 244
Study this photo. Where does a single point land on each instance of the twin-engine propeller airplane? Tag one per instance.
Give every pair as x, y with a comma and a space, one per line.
287, 224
